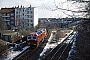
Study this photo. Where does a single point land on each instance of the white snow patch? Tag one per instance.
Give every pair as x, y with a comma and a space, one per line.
47, 45
73, 47
13, 54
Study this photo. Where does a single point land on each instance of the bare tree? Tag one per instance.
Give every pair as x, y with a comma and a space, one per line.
88, 10
87, 6
73, 8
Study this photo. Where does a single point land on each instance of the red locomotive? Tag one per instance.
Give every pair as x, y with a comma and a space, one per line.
36, 37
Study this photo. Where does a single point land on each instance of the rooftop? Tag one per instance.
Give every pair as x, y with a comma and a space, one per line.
6, 10
9, 32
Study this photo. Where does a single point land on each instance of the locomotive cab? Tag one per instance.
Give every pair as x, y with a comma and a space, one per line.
32, 39
35, 38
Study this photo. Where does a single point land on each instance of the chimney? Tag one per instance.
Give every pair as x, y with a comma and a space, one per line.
18, 6
21, 6
15, 6
30, 5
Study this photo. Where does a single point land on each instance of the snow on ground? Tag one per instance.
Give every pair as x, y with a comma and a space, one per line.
65, 37
73, 47
53, 45
13, 54
47, 45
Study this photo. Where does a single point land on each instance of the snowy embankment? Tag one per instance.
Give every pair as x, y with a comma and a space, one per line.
12, 54
73, 47
65, 37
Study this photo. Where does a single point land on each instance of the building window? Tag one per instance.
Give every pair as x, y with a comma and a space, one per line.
31, 16
27, 20
12, 14
28, 12
12, 18
8, 18
16, 12
31, 24
31, 20
23, 10
8, 14
28, 16
23, 14
23, 24
3, 14
27, 24
31, 12
19, 12
19, 16
27, 8
12, 22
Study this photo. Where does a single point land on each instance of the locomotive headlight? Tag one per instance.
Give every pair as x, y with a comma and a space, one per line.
45, 32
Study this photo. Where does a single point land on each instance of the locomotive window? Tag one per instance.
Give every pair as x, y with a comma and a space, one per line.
29, 37
39, 32
34, 37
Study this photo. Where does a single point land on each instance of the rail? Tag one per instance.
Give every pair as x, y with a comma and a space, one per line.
24, 54
60, 46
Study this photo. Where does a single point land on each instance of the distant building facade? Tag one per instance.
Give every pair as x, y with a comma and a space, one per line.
20, 17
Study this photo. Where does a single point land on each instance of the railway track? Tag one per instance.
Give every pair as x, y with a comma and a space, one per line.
29, 52
58, 52
25, 54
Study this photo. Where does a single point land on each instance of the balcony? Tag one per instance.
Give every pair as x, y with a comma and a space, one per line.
6, 16
6, 20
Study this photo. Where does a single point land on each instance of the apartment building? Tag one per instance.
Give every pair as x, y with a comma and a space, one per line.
8, 16
21, 17
26, 17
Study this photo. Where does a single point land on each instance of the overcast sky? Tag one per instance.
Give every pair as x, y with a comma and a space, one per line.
42, 5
